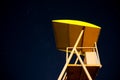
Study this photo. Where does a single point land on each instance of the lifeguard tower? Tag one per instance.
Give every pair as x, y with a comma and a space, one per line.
78, 38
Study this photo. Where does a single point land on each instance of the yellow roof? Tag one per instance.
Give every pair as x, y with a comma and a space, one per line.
76, 22
67, 31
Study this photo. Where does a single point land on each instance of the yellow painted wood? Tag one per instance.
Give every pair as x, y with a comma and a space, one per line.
61, 35
74, 31
90, 37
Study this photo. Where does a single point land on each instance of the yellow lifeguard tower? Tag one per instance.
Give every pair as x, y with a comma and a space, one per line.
78, 38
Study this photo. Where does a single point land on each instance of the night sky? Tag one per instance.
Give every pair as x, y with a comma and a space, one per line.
27, 45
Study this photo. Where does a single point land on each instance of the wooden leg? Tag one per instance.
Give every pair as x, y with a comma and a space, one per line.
64, 78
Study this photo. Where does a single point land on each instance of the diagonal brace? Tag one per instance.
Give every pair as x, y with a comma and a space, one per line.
67, 62
85, 69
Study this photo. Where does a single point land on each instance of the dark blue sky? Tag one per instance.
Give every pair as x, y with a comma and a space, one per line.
27, 46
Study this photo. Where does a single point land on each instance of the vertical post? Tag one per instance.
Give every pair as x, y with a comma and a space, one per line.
66, 53
71, 54
97, 53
